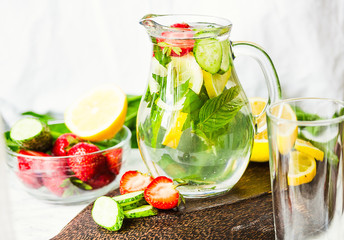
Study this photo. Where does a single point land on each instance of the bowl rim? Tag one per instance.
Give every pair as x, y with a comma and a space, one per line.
120, 144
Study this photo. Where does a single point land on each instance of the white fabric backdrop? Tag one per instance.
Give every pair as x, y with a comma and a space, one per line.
52, 51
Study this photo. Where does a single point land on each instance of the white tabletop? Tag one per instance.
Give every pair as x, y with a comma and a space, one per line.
33, 219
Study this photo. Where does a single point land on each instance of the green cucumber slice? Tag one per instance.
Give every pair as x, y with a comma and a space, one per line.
107, 213
129, 197
32, 134
132, 205
226, 58
143, 211
208, 54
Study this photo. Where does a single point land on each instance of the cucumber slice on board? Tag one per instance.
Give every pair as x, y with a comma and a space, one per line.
31, 133
143, 211
107, 213
208, 54
129, 197
132, 205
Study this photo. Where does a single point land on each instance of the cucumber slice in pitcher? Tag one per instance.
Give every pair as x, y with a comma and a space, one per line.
107, 213
32, 134
208, 54
143, 211
226, 58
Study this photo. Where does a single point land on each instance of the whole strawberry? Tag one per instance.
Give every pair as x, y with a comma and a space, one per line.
64, 143
102, 179
84, 164
114, 160
29, 168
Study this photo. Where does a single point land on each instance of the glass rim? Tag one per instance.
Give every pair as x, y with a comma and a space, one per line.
320, 122
151, 23
118, 145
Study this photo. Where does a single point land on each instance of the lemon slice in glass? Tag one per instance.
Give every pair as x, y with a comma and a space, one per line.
308, 148
187, 69
99, 114
286, 131
215, 83
260, 150
302, 168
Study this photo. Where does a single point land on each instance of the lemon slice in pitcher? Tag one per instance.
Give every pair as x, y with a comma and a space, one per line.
260, 150
302, 168
174, 133
215, 83
99, 114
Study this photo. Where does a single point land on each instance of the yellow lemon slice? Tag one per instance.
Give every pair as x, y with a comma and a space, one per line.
99, 114
286, 131
260, 150
172, 136
302, 168
215, 83
308, 148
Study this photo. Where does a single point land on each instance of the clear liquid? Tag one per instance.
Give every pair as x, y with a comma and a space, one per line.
174, 134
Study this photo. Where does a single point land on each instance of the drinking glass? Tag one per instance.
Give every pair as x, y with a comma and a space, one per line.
306, 168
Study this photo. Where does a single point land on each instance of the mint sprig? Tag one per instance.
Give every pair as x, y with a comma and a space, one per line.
219, 111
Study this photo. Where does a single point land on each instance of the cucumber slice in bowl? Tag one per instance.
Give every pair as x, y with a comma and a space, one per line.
208, 54
107, 213
143, 211
31, 133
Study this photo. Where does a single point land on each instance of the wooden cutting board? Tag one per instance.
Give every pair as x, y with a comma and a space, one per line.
245, 212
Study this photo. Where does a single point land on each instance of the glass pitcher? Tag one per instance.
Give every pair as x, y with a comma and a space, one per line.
194, 122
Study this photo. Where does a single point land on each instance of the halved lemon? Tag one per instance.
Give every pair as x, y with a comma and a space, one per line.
308, 148
184, 69
286, 131
215, 83
173, 134
302, 168
260, 150
99, 114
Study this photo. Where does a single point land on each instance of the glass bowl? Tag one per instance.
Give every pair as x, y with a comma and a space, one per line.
50, 178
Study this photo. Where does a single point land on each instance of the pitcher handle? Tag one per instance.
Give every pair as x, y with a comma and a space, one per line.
271, 78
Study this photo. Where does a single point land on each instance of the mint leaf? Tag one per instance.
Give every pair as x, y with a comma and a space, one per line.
10, 143
58, 129
219, 111
42, 117
162, 58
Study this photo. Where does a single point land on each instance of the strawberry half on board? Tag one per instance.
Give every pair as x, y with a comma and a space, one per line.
133, 181
161, 193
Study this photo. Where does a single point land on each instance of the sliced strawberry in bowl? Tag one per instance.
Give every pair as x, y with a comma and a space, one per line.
133, 181
180, 25
29, 168
161, 193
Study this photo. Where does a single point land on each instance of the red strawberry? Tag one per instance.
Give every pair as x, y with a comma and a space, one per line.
162, 194
65, 142
114, 160
84, 164
101, 180
178, 40
180, 25
132, 181
29, 168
